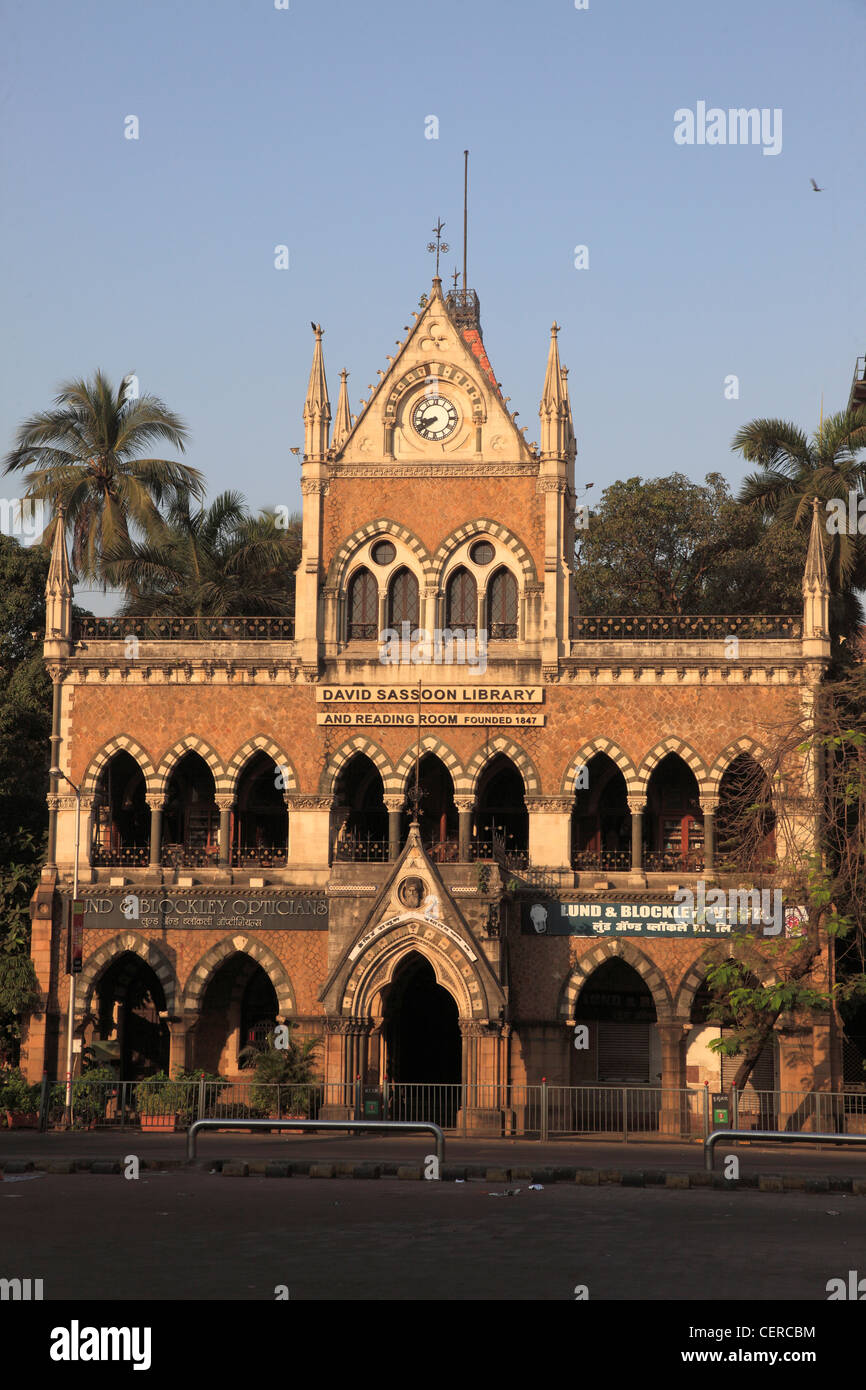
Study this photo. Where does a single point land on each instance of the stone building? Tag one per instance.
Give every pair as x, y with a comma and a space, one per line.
440, 853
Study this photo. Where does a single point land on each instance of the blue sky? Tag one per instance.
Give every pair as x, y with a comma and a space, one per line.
306, 127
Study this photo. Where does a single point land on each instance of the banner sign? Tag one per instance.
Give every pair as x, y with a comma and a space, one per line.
550, 917
450, 718
202, 909
75, 947
430, 694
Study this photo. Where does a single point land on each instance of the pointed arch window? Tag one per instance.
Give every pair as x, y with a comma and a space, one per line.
502, 605
363, 619
403, 599
461, 601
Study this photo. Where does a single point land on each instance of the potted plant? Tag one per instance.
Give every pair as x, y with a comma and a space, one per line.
158, 1100
283, 1076
20, 1100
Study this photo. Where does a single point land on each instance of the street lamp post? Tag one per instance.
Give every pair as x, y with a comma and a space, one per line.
70, 1023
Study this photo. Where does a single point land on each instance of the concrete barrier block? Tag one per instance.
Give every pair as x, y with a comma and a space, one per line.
235, 1170
770, 1182
322, 1170
677, 1180
411, 1172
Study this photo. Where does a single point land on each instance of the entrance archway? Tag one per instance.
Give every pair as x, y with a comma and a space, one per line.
129, 1002
421, 1028
238, 1009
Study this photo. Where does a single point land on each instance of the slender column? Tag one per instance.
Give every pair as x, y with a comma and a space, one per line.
54, 782
709, 806
225, 804
465, 807
635, 806
155, 803
394, 806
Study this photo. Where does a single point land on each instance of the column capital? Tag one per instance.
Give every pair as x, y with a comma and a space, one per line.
709, 805
637, 805
395, 803
155, 801
550, 804
224, 803
464, 804
302, 801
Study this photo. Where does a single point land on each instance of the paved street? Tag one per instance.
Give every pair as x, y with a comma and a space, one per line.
193, 1235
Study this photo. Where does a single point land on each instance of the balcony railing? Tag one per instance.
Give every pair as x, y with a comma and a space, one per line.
681, 626
118, 629
613, 859
259, 857
502, 631
658, 861
189, 857
132, 856
361, 849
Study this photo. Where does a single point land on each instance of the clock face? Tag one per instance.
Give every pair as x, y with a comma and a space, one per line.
434, 417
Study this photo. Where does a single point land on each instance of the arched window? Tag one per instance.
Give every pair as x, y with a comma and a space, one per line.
363, 607
403, 599
461, 601
502, 605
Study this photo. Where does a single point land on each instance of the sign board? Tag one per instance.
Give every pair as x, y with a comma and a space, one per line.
75, 937
721, 1110
589, 917
337, 695
172, 909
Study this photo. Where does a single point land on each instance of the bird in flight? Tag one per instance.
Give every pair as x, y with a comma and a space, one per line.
815, 187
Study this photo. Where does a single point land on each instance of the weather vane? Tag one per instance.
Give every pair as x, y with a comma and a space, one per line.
438, 245
455, 277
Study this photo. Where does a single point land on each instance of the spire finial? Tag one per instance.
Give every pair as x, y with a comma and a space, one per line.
438, 245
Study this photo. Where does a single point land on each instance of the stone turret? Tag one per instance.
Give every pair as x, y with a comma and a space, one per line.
816, 593
343, 418
58, 597
317, 407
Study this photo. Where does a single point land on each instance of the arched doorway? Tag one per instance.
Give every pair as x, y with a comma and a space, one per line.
238, 1008
423, 1047
129, 1001
501, 820
623, 1055
362, 821
601, 821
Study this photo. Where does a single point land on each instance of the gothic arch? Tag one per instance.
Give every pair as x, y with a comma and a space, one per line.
358, 984
654, 757
96, 965
727, 756
697, 972
605, 950
121, 744
374, 530
260, 744
202, 973
429, 744
468, 785
483, 526
191, 744
347, 750
589, 751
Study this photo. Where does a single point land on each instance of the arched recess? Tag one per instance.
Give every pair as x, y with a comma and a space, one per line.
374, 530
661, 750
606, 950
211, 961
261, 744
587, 753
471, 530
696, 974
122, 743
109, 951
729, 755
347, 750
191, 744
358, 984
404, 771
468, 784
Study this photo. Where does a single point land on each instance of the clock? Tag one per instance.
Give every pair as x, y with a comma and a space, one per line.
434, 417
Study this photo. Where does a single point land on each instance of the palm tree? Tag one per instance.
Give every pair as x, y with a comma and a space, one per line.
85, 458
794, 469
216, 561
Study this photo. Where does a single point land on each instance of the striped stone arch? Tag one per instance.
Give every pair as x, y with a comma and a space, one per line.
260, 744
110, 951
606, 950
373, 531
191, 744
727, 756
661, 750
521, 759
588, 752
244, 944
487, 528
697, 973
121, 744
429, 744
346, 751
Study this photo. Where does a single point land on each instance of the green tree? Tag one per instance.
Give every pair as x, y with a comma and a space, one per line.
215, 561
668, 545
86, 456
794, 469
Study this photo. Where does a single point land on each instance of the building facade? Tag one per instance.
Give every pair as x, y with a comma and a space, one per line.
440, 820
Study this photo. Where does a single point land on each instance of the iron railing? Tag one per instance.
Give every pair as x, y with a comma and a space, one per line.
601, 859
135, 856
660, 861
537, 1111
680, 626
231, 629
259, 857
189, 856
361, 848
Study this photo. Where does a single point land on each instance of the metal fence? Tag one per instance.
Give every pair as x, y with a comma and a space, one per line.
538, 1111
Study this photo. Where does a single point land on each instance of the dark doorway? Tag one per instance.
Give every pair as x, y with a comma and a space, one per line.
421, 1028
437, 814
130, 1002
